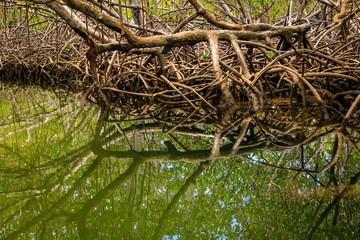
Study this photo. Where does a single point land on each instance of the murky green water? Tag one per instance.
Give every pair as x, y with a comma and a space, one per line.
72, 171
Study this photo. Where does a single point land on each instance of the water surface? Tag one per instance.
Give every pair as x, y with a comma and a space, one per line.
70, 170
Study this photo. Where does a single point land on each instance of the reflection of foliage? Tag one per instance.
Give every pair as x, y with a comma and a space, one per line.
61, 175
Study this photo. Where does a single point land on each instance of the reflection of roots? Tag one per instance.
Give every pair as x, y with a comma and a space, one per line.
309, 149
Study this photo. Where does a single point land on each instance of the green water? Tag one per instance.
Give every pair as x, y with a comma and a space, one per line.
71, 171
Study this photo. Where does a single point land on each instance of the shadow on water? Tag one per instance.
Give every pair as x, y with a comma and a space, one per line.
71, 171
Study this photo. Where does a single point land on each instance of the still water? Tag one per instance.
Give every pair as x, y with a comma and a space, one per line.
70, 170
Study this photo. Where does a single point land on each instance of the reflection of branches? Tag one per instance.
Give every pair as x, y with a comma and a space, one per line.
43, 112
167, 212
112, 187
336, 152
81, 214
281, 136
293, 130
59, 203
335, 203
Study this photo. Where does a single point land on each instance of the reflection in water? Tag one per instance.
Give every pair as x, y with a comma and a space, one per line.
70, 171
